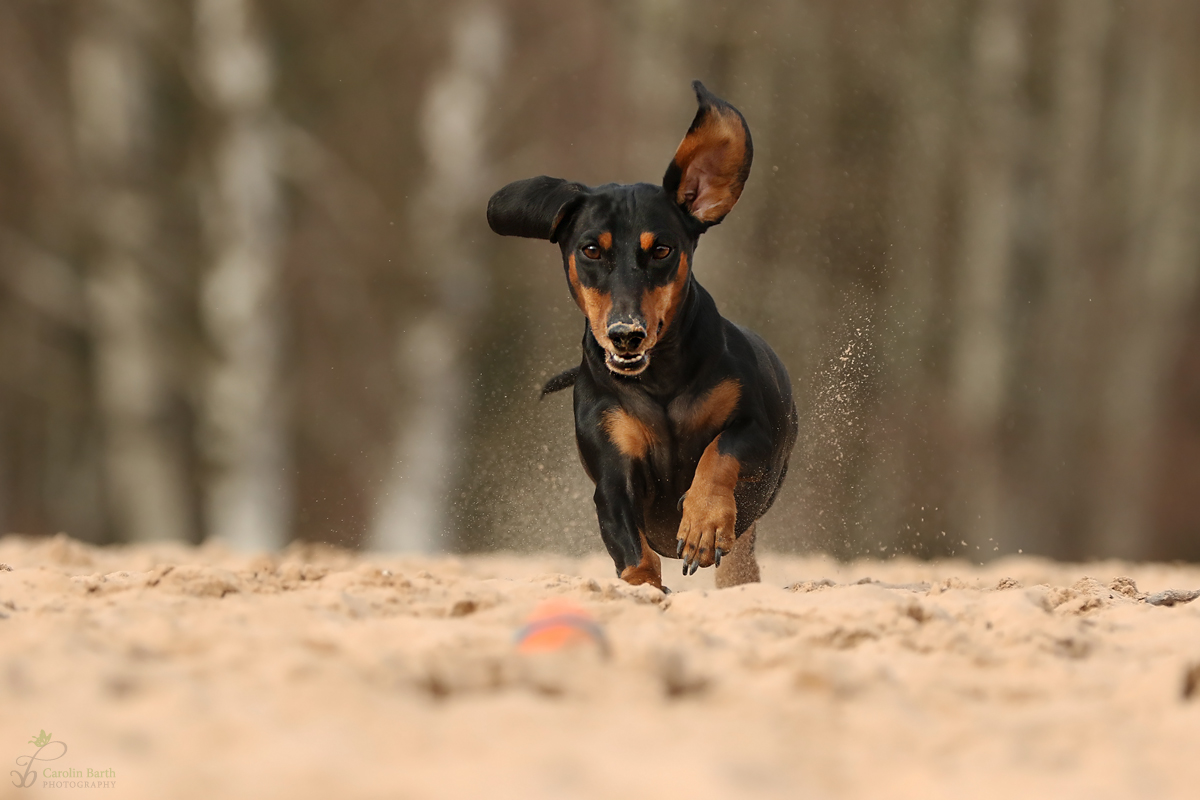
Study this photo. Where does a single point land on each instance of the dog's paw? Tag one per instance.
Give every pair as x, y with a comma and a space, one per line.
643, 573
706, 532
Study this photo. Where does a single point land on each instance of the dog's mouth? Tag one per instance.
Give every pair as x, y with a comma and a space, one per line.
631, 364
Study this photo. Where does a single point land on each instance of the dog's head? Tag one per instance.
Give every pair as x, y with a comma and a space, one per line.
627, 250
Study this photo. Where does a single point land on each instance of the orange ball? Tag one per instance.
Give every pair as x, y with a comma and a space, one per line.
557, 623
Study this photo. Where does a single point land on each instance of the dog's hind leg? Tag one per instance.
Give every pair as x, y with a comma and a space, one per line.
739, 566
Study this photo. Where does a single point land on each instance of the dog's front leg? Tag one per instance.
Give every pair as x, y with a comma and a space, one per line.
618, 510
613, 446
708, 529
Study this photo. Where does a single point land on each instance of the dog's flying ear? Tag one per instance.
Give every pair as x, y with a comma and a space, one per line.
713, 161
535, 207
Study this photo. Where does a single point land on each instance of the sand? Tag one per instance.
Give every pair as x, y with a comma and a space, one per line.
197, 673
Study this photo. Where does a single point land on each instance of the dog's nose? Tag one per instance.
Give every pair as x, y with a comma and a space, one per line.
625, 337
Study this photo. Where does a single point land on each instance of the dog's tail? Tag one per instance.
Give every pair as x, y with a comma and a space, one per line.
562, 380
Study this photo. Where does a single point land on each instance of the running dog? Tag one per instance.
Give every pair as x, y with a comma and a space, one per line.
684, 420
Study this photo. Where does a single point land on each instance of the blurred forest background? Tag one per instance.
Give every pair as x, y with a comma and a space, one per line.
248, 293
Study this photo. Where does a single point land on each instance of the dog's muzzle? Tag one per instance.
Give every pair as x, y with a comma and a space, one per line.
627, 356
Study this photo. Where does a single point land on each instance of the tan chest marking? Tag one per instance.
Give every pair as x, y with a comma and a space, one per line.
630, 435
712, 410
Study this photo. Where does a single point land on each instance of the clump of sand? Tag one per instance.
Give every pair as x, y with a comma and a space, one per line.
319, 673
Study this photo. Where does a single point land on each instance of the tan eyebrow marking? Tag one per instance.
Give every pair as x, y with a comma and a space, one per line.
606, 240
647, 240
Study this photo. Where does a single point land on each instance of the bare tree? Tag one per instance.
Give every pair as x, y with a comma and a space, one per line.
413, 508
47, 395
926, 92
1159, 270
979, 361
657, 80
1063, 415
242, 435
109, 83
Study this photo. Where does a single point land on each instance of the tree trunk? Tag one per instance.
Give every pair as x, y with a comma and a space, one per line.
242, 419
1069, 313
979, 366
909, 479
413, 510
1159, 272
143, 474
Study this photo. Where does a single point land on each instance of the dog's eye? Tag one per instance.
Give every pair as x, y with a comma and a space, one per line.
660, 252
591, 251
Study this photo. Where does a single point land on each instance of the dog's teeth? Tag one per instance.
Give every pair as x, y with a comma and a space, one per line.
627, 365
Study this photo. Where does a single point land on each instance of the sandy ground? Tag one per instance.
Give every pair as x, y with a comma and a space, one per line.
181, 673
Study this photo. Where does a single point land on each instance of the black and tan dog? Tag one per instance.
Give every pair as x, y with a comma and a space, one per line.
684, 420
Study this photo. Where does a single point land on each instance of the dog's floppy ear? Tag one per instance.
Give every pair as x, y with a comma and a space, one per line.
535, 207
713, 161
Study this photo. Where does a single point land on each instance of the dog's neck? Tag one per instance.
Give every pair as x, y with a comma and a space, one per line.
681, 356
